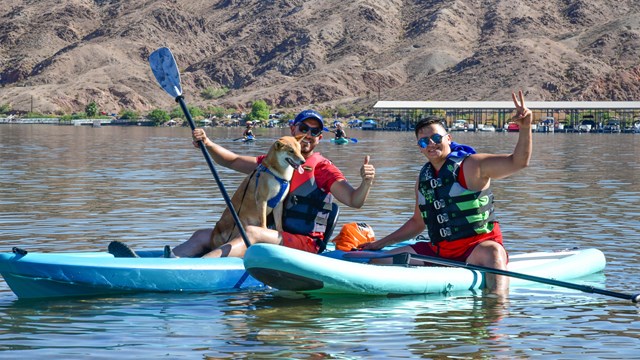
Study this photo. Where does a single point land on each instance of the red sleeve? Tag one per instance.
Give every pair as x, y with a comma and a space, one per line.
326, 174
461, 179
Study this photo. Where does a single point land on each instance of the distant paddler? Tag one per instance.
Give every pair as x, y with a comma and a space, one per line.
340, 134
247, 135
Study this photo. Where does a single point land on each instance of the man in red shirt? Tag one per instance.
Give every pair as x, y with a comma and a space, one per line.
313, 192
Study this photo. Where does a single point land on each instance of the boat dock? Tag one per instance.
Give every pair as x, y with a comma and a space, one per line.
549, 116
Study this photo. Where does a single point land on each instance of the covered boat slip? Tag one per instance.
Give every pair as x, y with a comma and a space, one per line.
405, 113
40, 275
289, 269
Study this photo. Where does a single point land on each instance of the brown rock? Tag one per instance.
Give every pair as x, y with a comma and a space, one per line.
62, 55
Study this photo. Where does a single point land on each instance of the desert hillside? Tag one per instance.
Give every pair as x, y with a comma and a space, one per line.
57, 56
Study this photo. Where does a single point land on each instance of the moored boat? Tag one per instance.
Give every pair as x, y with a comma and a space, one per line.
513, 127
486, 128
289, 269
41, 275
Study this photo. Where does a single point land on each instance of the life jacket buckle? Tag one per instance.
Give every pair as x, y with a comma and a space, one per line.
439, 204
442, 218
434, 183
445, 232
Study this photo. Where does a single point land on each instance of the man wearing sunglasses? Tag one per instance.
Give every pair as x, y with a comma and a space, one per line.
454, 200
306, 207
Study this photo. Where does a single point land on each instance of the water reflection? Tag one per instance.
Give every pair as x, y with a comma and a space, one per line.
248, 325
321, 328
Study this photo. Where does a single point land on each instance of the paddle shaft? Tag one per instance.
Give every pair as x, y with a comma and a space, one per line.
584, 288
207, 157
441, 261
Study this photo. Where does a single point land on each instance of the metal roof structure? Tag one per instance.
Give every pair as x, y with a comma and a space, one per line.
533, 105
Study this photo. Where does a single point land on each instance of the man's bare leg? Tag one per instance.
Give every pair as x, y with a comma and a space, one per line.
236, 247
493, 255
198, 244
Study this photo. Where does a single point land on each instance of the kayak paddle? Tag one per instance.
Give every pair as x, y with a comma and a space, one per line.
441, 261
165, 70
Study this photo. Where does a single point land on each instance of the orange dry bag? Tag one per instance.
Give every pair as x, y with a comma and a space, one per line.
352, 235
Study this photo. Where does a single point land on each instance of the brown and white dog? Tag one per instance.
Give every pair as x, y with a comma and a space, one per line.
262, 191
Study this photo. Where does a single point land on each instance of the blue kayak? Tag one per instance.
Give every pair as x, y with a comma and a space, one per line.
40, 275
289, 269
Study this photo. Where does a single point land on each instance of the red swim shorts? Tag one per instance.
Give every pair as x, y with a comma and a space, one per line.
300, 242
458, 250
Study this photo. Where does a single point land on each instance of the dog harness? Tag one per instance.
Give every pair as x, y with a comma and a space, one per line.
450, 211
284, 185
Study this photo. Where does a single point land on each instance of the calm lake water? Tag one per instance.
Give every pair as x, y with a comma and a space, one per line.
65, 188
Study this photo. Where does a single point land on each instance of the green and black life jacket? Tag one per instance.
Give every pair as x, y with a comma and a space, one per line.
450, 211
307, 208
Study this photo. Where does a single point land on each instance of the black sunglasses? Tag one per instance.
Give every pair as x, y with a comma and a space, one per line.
304, 128
436, 138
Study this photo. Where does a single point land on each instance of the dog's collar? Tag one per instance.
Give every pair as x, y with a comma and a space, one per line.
284, 185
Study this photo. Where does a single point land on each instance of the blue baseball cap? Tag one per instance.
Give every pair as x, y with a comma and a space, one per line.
309, 114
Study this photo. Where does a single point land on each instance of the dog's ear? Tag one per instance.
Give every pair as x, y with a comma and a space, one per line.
299, 138
278, 144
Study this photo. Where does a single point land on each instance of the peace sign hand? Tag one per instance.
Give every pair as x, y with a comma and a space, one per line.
523, 116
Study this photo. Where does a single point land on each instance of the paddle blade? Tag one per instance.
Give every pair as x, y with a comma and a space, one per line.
354, 140
165, 70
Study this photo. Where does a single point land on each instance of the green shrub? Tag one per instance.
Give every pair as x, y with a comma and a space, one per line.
214, 93
91, 109
5, 108
129, 115
159, 116
259, 111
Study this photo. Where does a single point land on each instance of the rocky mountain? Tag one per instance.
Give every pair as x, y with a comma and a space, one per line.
57, 56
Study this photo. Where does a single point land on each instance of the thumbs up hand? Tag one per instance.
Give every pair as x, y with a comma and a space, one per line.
367, 171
